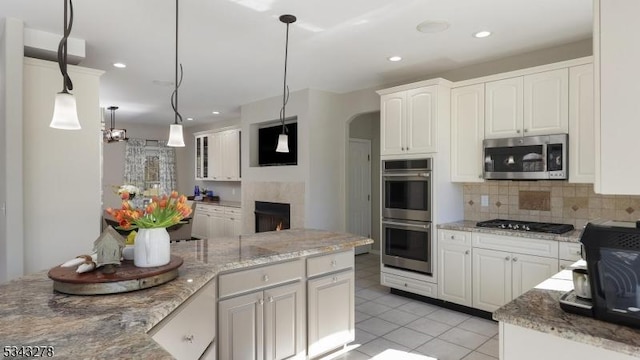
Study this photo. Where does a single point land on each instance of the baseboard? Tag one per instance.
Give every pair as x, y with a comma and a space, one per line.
445, 304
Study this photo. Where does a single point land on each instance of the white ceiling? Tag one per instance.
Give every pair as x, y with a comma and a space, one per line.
233, 50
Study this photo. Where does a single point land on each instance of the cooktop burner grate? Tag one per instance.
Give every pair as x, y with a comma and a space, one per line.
551, 228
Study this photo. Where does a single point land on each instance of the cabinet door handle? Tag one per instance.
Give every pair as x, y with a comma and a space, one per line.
335, 279
334, 263
518, 131
452, 237
402, 148
562, 267
480, 176
515, 259
265, 278
578, 252
270, 299
406, 285
467, 252
507, 258
261, 301
189, 338
407, 148
525, 130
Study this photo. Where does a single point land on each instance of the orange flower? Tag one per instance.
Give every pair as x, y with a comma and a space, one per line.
124, 196
161, 212
182, 199
163, 203
174, 194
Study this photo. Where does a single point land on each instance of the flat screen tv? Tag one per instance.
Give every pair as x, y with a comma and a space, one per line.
268, 141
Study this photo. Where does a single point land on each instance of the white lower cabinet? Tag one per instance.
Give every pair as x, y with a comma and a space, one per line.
262, 312
330, 302
190, 329
331, 312
486, 271
500, 276
213, 221
454, 267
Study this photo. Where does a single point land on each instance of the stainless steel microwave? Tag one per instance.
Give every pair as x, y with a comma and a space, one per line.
526, 158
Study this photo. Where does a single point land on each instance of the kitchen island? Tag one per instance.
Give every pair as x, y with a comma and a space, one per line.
533, 326
116, 326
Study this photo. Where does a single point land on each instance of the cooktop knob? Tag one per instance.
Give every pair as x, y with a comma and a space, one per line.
516, 227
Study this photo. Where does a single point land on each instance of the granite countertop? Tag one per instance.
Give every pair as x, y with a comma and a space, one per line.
115, 326
466, 225
538, 309
227, 203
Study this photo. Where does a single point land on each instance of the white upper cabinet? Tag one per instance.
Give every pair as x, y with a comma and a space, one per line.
504, 114
218, 155
467, 133
408, 121
581, 125
392, 114
546, 103
616, 58
535, 104
421, 120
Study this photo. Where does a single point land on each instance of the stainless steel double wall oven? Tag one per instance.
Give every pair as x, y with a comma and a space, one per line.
406, 214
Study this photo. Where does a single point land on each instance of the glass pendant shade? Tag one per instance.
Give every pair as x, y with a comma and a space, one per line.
283, 143
65, 115
176, 139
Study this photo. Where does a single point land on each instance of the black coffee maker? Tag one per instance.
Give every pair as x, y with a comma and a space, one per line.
613, 262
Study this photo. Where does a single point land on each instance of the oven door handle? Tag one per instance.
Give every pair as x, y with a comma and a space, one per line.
424, 174
421, 226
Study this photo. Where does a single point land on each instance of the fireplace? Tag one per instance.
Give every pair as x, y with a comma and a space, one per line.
272, 216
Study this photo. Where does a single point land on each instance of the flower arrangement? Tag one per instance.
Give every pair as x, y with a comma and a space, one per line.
130, 190
161, 212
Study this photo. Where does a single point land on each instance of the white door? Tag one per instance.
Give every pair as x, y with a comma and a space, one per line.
200, 227
240, 330
392, 117
454, 267
216, 226
330, 312
284, 322
528, 271
582, 138
230, 154
504, 110
546, 103
491, 279
421, 120
215, 157
359, 221
467, 133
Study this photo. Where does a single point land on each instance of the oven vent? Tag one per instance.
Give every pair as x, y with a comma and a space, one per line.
627, 241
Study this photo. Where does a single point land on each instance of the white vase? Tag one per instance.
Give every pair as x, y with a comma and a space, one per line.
152, 248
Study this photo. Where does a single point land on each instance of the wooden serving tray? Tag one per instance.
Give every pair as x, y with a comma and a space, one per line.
127, 277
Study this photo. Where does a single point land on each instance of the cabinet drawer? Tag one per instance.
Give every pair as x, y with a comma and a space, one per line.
455, 237
570, 251
187, 332
233, 211
547, 248
410, 285
260, 277
328, 263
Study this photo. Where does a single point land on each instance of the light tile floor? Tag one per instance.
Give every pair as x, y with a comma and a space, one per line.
394, 327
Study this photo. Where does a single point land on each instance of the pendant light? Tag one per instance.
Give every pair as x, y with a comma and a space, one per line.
65, 114
283, 139
176, 138
112, 134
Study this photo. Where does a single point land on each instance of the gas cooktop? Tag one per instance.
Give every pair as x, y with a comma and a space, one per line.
526, 226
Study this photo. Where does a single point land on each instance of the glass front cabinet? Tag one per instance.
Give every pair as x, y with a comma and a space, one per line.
202, 157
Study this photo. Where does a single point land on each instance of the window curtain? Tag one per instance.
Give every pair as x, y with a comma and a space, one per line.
167, 159
135, 159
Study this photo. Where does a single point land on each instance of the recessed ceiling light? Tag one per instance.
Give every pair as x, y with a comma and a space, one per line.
189, 119
430, 27
482, 34
394, 58
119, 65
216, 113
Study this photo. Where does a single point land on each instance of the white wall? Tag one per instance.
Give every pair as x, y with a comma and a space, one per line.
11, 141
227, 190
62, 181
113, 157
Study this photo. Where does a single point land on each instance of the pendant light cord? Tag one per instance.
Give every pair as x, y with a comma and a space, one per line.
285, 88
62, 48
178, 82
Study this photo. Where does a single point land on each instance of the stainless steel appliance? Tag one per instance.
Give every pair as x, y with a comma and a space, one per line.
406, 189
406, 244
528, 158
552, 228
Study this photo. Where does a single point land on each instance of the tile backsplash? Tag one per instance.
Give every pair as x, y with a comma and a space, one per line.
556, 201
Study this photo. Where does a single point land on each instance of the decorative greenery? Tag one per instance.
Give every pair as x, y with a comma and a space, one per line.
161, 212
